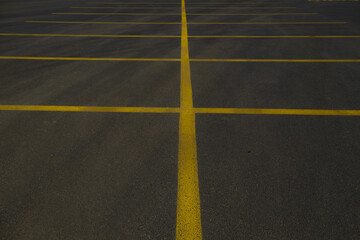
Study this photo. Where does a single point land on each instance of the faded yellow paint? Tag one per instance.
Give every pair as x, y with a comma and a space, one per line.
188, 223
278, 111
87, 109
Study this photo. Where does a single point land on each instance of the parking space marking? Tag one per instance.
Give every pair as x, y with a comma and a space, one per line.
192, 23
188, 221
120, 23
266, 111
84, 35
165, 36
87, 109
209, 3
187, 8
91, 59
240, 111
195, 14
177, 59
264, 36
264, 23
276, 60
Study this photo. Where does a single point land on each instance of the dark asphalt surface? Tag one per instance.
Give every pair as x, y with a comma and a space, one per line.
67, 175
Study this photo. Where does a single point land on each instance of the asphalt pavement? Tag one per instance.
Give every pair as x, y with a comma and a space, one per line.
91, 146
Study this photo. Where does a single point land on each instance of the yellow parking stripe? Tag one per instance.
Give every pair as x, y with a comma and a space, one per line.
165, 36
188, 223
264, 23
188, 7
84, 35
276, 60
259, 111
87, 109
176, 59
194, 14
278, 111
209, 3
91, 59
192, 23
264, 36
120, 23
120, 14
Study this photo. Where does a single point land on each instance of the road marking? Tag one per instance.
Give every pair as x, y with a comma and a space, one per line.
333, 0
243, 36
154, 3
83, 35
91, 59
87, 109
188, 7
194, 14
278, 111
130, 7
241, 7
188, 223
120, 14
174, 59
251, 14
264, 23
275, 60
124, 23
258, 111
193, 23
161, 36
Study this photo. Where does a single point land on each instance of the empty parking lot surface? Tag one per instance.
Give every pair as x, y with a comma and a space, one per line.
180, 119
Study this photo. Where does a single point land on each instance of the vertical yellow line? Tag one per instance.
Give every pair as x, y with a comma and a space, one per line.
188, 223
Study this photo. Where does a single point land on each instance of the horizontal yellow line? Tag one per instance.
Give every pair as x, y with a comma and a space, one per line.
333, 0
251, 14
193, 23
177, 110
209, 3
264, 36
130, 7
163, 36
87, 109
196, 14
240, 7
123, 23
264, 23
84, 35
120, 14
187, 7
276, 60
174, 59
91, 59
278, 111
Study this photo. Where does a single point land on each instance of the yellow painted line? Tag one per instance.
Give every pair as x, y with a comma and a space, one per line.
162, 36
188, 222
120, 14
188, 7
154, 3
276, 60
248, 36
91, 59
264, 23
130, 7
196, 14
241, 7
333, 0
278, 111
122, 23
260, 111
87, 109
84, 35
252, 14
